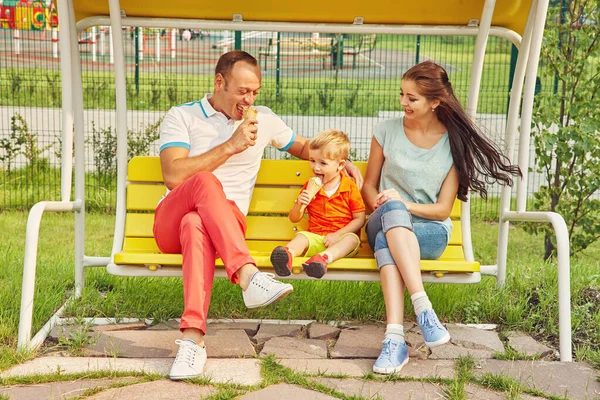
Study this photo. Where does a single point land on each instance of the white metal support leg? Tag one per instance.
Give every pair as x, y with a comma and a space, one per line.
564, 270
511, 134
30, 265
121, 125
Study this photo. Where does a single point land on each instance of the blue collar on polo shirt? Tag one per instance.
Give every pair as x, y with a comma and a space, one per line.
207, 108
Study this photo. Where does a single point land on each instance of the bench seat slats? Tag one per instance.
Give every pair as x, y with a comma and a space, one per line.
263, 260
268, 226
264, 200
264, 247
258, 228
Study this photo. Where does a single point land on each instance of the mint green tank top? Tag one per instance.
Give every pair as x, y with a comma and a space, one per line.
416, 173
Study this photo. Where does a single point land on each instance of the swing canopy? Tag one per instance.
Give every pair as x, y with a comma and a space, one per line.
510, 14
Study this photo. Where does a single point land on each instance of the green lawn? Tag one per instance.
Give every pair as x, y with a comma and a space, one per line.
528, 302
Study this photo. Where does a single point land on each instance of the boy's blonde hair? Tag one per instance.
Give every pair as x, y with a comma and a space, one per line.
333, 144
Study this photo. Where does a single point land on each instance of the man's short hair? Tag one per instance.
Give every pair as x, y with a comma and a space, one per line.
228, 60
334, 144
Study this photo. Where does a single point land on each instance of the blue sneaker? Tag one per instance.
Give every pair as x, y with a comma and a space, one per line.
393, 357
434, 332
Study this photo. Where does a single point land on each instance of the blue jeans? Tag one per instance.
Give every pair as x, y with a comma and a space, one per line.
432, 236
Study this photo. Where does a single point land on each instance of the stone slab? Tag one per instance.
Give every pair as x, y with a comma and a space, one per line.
452, 352
156, 390
58, 390
161, 344
526, 345
359, 342
417, 369
415, 340
285, 391
135, 344
474, 338
320, 331
475, 392
287, 347
571, 379
251, 328
170, 325
237, 371
347, 367
131, 326
384, 390
269, 331
228, 344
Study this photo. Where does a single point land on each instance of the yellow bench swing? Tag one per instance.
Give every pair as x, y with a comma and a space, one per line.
139, 183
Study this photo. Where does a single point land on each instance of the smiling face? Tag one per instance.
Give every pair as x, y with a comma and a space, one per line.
415, 105
236, 91
325, 168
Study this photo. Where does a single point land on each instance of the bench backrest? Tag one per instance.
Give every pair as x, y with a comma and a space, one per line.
277, 186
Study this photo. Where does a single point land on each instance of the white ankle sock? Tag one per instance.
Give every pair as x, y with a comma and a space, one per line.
395, 331
421, 302
329, 257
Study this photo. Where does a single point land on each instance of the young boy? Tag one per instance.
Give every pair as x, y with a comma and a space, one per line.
335, 214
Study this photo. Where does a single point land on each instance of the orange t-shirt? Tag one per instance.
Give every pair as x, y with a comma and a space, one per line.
330, 214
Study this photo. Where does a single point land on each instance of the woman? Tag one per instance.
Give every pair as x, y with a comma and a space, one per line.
418, 165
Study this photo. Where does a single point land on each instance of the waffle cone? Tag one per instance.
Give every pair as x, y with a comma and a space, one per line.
312, 188
250, 112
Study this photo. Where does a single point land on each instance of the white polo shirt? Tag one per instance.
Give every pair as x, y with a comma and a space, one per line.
198, 127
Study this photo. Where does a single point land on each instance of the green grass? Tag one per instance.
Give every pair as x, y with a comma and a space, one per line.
528, 302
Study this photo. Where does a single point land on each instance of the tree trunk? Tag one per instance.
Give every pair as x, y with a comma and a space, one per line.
548, 246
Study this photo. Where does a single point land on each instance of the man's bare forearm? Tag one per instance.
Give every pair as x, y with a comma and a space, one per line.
179, 168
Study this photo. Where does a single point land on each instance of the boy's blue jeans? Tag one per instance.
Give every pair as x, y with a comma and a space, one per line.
432, 236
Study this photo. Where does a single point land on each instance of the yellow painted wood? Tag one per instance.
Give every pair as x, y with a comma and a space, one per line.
142, 197
258, 228
277, 185
511, 14
144, 169
148, 245
268, 226
263, 260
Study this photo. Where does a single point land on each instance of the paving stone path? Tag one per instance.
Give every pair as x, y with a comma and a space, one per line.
269, 359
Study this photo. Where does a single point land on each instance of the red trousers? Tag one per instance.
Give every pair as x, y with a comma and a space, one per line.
197, 221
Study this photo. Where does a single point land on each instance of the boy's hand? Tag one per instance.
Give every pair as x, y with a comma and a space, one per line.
332, 238
304, 198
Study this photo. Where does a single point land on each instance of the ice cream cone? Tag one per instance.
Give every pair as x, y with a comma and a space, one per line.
312, 188
250, 112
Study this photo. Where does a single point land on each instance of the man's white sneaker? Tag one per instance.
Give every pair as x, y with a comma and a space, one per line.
263, 290
189, 362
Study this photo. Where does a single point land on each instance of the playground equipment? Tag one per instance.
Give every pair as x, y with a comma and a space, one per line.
519, 21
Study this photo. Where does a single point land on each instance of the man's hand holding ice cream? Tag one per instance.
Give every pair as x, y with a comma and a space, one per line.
246, 133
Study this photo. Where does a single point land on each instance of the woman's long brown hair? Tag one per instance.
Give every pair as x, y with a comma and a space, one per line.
474, 155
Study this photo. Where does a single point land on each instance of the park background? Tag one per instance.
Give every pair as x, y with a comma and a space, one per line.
321, 88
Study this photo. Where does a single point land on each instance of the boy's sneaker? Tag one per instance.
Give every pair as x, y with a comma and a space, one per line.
281, 258
316, 266
393, 357
434, 332
189, 362
263, 290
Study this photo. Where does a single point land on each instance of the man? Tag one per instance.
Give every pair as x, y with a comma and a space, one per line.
209, 163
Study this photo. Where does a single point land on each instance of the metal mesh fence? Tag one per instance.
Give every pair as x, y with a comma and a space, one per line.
313, 81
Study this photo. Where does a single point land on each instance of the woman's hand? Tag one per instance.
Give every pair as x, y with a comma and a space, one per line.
388, 194
354, 172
